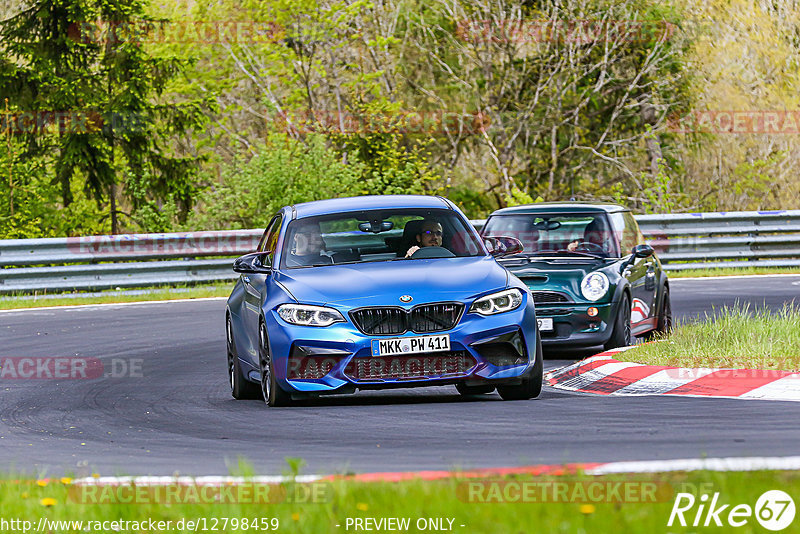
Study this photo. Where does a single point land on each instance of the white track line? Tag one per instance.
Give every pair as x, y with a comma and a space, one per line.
709, 464
105, 304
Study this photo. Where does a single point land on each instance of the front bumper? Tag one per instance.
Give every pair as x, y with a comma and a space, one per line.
573, 327
496, 349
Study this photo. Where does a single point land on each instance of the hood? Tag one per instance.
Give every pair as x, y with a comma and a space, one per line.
557, 274
382, 283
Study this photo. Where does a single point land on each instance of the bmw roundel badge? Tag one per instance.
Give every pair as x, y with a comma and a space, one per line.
406, 298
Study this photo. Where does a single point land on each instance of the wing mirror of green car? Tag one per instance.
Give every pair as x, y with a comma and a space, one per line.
643, 251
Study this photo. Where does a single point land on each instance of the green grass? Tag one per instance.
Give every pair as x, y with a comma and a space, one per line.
450, 498
732, 271
107, 297
737, 337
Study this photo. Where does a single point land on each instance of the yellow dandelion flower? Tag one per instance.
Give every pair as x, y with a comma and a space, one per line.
296, 516
42, 483
48, 501
362, 506
95, 475
24, 494
66, 481
587, 508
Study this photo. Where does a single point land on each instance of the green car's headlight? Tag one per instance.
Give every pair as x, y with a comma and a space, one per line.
594, 286
503, 301
308, 315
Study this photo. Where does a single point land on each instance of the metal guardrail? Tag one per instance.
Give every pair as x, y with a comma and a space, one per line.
729, 239
683, 241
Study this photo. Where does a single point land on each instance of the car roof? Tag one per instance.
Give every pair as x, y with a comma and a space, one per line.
563, 207
337, 205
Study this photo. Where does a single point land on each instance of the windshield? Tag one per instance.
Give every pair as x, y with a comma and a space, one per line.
378, 235
573, 234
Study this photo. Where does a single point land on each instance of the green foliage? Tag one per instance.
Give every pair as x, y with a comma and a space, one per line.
519, 198
109, 88
283, 171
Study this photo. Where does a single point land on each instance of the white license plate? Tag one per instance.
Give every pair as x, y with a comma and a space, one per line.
545, 324
410, 345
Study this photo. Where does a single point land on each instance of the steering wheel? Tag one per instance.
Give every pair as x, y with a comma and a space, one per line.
432, 252
588, 246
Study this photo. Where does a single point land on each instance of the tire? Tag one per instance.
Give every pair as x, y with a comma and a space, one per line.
271, 392
663, 319
474, 390
664, 324
531, 385
241, 387
621, 335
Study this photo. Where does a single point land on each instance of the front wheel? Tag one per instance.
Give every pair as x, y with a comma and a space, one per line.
621, 335
473, 390
270, 390
241, 388
531, 385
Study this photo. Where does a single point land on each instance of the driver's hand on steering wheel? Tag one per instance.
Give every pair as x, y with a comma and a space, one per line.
411, 251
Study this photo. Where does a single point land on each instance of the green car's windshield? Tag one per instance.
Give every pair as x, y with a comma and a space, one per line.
378, 235
588, 235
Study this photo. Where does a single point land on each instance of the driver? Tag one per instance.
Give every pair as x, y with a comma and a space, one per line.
595, 235
430, 235
308, 249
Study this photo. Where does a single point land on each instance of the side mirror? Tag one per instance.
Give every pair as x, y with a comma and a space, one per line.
253, 263
503, 246
643, 251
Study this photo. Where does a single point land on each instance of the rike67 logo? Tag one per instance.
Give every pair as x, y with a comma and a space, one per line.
774, 510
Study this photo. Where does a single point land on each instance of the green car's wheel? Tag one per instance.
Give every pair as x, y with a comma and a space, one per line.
531, 385
665, 317
621, 335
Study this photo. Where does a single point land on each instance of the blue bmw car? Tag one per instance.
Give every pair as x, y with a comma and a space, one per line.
379, 292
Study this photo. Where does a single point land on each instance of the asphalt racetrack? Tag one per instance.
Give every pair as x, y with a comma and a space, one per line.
176, 414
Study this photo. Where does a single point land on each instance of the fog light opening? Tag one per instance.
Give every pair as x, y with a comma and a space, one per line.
592, 311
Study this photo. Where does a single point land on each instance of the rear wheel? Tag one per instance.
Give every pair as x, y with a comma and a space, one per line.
531, 385
621, 335
474, 390
270, 390
241, 388
665, 317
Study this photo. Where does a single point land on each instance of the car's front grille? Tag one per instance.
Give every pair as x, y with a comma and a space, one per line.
435, 317
549, 297
451, 364
380, 321
420, 319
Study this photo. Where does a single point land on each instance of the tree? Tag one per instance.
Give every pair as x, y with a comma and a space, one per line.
94, 91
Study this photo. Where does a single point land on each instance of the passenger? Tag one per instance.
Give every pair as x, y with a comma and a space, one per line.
430, 235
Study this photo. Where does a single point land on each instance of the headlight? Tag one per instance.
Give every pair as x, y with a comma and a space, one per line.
594, 286
504, 301
307, 315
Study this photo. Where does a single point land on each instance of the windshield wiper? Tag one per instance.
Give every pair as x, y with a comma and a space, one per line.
563, 251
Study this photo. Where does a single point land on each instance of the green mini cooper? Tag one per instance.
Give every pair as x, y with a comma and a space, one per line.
593, 279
